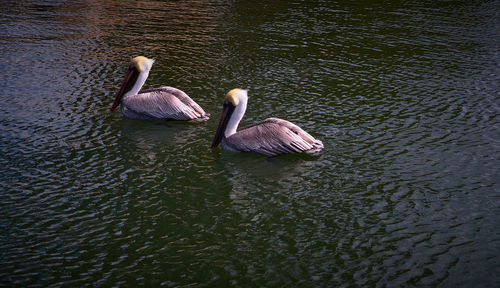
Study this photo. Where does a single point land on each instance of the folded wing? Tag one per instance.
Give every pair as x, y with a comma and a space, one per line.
166, 103
273, 136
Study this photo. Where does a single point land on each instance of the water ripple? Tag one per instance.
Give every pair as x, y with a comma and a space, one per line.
404, 96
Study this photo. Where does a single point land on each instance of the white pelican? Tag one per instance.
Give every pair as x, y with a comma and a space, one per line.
164, 103
270, 137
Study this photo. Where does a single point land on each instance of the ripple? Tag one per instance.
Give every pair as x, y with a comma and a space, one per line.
405, 98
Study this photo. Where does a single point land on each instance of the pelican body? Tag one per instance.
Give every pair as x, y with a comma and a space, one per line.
270, 137
158, 104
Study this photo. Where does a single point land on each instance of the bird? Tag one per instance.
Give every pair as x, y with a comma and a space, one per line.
269, 137
157, 104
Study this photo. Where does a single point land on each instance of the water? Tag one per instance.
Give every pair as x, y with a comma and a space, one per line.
404, 95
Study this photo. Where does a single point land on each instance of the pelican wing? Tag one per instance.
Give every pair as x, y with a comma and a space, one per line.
273, 136
165, 103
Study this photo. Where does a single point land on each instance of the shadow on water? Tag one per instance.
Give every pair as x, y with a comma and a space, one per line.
143, 133
257, 171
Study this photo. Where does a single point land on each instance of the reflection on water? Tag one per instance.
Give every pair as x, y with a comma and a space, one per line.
404, 96
250, 175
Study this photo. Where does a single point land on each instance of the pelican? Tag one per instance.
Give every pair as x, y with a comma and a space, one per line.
270, 137
158, 104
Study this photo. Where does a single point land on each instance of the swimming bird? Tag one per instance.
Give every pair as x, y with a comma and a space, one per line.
270, 137
158, 104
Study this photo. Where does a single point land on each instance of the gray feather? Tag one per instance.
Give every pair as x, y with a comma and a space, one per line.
164, 103
271, 137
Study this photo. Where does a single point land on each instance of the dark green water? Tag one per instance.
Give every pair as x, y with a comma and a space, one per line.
405, 96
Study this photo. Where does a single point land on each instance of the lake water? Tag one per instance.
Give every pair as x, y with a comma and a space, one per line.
405, 95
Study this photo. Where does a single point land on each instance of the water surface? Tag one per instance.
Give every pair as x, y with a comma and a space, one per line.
404, 95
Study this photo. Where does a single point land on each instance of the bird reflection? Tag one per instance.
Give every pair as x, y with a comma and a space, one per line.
153, 144
255, 179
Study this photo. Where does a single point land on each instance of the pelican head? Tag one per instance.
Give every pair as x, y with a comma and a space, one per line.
135, 78
235, 105
142, 63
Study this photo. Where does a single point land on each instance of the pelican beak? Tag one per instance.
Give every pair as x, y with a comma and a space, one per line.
127, 84
227, 111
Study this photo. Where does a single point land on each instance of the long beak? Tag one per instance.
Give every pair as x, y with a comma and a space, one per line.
227, 111
127, 84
